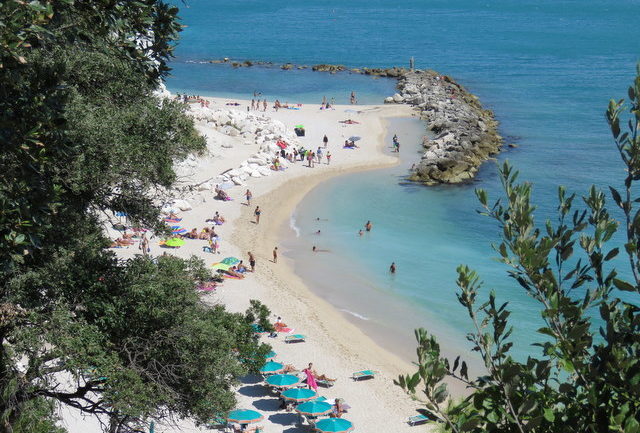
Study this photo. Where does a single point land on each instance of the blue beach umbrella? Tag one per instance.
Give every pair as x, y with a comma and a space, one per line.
177, 230
270, 355
299, 394
271, 367
334, 425
314, 408
244, 416
283, 380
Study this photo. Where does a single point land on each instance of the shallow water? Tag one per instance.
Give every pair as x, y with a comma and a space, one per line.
547, 68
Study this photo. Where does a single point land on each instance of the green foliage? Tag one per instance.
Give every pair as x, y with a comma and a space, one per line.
579, 382
82, 135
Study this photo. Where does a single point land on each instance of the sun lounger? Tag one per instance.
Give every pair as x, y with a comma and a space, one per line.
364, 374
326, 383
296, 338
418, 419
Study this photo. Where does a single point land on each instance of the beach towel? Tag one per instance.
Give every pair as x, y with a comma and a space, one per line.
311, 381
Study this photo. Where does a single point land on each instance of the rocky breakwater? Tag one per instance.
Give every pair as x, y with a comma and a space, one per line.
465, 133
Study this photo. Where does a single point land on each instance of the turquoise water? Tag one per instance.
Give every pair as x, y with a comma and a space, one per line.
547, 68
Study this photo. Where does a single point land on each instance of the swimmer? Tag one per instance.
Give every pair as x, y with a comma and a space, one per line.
368, 226
314, 249
318, 232
360, 232
392, 268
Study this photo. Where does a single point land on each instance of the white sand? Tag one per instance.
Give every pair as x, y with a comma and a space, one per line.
335, 346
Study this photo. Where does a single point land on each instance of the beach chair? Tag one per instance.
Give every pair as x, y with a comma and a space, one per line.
364, 374
418, 419
296, 338
326, 383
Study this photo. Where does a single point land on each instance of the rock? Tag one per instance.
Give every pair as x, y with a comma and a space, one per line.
328, 68
286, 66
183, 205
255, 173
397, 98
227, 145
236, 180
389, 100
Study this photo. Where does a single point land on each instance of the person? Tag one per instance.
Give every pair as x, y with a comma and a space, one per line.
392, 268
214, 244
257, 213
324, 102
252, 261
233, 271
253, 104
264, 105
318, 232
338, 410
193, 234
319, 155
218, 219
360, 232
241, 267
144, 245
311, 381
328, 158
314, 249
204, 234
353, 97
368, 226
248, 195
275, 255
325, 140
221, 194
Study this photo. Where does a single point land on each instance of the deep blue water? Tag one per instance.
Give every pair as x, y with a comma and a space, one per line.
547, 69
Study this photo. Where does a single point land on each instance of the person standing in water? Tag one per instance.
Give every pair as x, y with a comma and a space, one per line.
368, 226
392, 268
275, 255
257, 213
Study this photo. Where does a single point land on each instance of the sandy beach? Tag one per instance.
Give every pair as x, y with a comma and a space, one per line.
336, 347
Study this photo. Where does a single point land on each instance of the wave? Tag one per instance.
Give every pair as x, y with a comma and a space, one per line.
359, 316
293, 225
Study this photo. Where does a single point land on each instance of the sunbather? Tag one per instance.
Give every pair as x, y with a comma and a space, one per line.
233, 271
193, 234
221, 195
337, 410
204, 234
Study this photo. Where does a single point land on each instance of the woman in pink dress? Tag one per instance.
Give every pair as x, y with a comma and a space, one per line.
311, 380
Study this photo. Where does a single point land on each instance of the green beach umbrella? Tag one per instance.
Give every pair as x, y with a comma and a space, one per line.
271, 367
299, 126
300, 394
283, 380
230, 261
244, 416
334, 425
314, 408
221, 266
174, 242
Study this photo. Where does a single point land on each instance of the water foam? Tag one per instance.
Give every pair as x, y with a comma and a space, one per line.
293, 225
359, 316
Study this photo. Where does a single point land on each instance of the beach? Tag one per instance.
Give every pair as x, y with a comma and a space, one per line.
335, 346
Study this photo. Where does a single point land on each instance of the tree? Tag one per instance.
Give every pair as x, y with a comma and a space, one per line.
82, 136
586, 377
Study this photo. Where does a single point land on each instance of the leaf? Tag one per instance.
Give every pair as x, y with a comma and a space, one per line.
549, 415
624, 286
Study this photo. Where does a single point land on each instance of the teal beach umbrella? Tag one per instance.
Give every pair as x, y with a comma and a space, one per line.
271, 367
244, 416
314, 408
300, 394
334, 425
230, 261
283, 380
270, 355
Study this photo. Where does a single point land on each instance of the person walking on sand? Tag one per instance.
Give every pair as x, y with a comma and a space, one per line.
253, 104
311, 380
264, 105
144, 245
257, 213
252, 261
248, 195
328, 158
275, 255
392, 268
368, 226
325, 141
319, 155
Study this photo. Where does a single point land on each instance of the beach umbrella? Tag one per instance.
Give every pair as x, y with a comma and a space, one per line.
174, 242
270, 355
314, 408
300, 394
334, 425
230, 261
283, 380
221, 266
355, 138
299, 126
244, 416
272, 367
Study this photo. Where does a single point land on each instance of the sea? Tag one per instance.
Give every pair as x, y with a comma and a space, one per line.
547, 68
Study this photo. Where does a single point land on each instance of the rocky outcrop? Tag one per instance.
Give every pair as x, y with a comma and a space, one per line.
328, 68
465, 133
